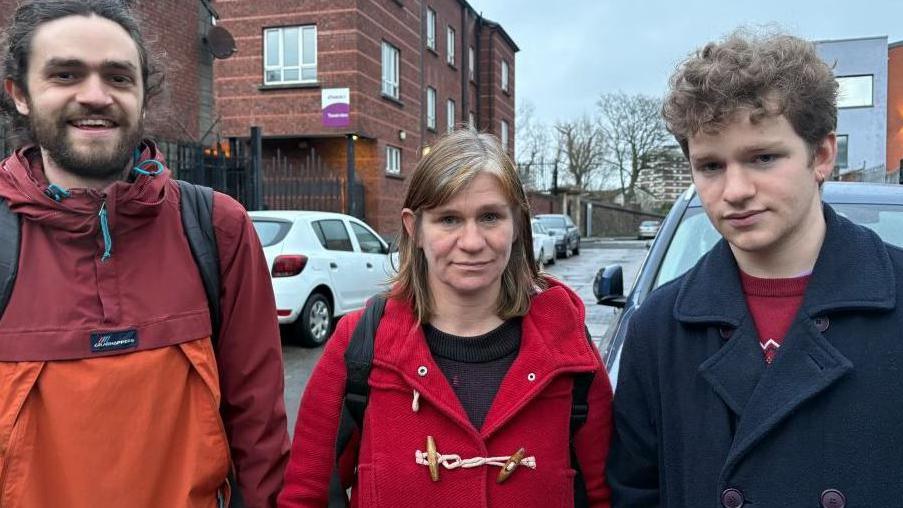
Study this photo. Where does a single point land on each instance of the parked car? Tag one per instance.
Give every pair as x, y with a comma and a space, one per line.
648, 229
567, 238
686, 234
323, 265
543, 244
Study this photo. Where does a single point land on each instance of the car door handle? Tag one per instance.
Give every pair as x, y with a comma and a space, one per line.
333, 265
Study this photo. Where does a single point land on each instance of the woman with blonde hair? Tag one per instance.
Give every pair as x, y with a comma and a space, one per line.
482, 370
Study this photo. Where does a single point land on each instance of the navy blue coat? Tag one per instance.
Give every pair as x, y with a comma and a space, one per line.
702, 421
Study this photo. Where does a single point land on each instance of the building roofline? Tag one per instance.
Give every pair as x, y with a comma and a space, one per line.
851, 39
490, 24
501, 30
895, 45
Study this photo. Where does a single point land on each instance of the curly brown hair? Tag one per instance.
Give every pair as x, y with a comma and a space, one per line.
766, 75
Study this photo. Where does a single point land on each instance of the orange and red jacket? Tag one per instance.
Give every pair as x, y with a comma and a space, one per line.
111, 393
531, 410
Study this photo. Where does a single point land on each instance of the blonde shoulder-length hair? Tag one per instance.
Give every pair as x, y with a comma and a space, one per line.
451, 164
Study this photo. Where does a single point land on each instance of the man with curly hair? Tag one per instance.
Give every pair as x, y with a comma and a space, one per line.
767, 374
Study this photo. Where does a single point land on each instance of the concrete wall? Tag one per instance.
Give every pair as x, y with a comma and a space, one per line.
865, 126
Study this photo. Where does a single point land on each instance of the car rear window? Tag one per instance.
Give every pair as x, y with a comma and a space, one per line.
552, 222
333, 235
271, 232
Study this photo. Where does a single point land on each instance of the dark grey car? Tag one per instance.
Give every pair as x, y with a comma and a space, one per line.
686, 234
563, 229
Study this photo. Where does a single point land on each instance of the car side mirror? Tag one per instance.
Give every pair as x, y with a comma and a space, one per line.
608, 286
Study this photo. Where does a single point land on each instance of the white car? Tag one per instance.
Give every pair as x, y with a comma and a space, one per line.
543, 244
323, 265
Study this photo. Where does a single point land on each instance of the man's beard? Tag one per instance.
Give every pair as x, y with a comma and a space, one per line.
105, 161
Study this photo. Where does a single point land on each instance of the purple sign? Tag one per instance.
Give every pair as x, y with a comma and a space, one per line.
336, 106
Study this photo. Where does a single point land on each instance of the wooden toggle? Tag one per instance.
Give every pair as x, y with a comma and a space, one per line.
511, 465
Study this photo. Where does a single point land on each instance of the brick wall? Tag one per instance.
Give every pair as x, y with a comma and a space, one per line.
895, 106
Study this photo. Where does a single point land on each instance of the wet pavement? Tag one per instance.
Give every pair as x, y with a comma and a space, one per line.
577, 272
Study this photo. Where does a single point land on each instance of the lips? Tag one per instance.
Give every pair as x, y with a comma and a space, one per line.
743, 219
93, 123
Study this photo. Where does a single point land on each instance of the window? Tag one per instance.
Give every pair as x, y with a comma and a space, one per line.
368, 241
431, 29
451, 46
471, 62
390, 70
471, 121
854, 91
504, 135
333, 235
504, 76
290, 55
393, 160
431, 108
842, 155
450, 116
271, 232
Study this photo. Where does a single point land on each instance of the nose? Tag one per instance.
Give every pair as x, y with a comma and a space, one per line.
94, 93
738, 186
471, 238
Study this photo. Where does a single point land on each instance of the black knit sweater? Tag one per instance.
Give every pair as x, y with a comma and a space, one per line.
475, 366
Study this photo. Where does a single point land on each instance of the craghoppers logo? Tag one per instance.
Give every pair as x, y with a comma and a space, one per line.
102, 342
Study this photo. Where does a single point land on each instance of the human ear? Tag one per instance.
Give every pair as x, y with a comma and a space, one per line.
18, 95
824, 157
409, 220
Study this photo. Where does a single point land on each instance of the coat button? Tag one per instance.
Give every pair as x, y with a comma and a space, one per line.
821, 323
731, 498
726, 332
833, 498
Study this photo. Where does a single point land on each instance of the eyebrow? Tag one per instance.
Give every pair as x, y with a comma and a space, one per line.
491, 207
106, 64
768, 146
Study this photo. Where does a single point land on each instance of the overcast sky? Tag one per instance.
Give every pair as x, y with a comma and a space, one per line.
573, 50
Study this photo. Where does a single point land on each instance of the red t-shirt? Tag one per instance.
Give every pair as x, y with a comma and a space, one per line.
773, 304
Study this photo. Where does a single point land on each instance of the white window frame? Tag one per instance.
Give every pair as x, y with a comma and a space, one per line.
450, 43
847, 82
279, 66
450, 115
471, 63
431, 108
391, 58
393, 160
431, 29
504, 135
505, 71
845, 163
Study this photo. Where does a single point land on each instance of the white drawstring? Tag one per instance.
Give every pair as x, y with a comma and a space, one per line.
415, 404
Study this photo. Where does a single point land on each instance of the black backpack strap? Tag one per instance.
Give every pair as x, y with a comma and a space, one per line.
358, 361
196, 205
9, 252
579, 413
197, 221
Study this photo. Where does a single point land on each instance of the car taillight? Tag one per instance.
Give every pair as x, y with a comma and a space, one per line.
289, 265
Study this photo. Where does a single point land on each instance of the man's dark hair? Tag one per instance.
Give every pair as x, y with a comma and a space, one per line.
17, 38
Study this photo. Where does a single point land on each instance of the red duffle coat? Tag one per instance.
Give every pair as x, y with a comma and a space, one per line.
530, 411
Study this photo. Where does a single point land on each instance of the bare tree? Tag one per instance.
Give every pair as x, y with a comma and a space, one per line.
634, 131
581, 145
534, 146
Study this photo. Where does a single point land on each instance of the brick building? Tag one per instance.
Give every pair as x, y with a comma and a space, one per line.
895, 106
367, 85
175, 30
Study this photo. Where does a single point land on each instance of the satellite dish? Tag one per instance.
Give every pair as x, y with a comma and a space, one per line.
220, 42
